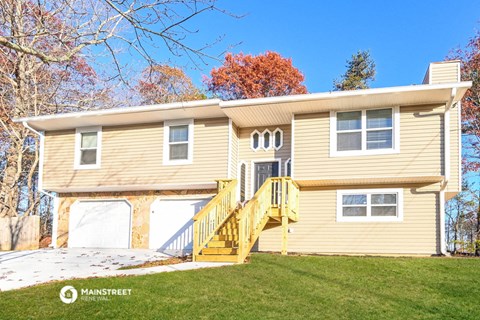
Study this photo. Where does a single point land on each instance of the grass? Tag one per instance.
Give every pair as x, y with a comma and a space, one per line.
275, 287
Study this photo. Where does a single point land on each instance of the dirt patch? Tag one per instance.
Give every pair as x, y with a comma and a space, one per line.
156, 263
45, 242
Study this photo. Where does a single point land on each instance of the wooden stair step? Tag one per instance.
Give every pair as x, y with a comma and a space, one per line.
219, 251
222, 237
228, 232
221, 244
216, 258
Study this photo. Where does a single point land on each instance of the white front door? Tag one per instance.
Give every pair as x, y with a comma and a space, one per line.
171, 225
100, 224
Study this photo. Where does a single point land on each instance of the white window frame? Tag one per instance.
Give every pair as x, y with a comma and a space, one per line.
270, 140
281, 139
260, 140
289, 161
369, 192
78, 143
239, 173
364, 151
166, 142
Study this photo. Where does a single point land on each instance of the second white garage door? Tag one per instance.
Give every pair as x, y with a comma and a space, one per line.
100, 224
171, 225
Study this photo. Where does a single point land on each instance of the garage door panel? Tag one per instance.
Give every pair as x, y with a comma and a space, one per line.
100, 224
171, 225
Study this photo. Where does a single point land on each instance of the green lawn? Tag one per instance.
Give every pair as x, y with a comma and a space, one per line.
275, 287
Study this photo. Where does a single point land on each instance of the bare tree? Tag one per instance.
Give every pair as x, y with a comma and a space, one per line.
48, 54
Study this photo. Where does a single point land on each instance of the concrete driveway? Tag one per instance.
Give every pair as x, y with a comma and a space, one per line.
20, 269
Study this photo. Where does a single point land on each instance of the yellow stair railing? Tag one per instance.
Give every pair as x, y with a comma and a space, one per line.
214, 215
281, 194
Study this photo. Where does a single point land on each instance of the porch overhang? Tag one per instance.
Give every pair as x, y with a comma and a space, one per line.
384, 181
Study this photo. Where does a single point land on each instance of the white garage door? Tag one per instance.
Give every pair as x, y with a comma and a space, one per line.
100, 224
171, 225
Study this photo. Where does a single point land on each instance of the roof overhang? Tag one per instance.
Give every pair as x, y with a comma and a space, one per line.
329, 183
129, 115
257, 112
279, 110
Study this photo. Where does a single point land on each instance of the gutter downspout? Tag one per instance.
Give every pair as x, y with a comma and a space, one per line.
446, 169
40, 184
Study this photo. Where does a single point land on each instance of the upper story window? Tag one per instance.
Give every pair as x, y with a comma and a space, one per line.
88, 143
364, 132
178, 142
370, 205
266, 140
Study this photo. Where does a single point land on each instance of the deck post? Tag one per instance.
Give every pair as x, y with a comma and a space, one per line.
284, 234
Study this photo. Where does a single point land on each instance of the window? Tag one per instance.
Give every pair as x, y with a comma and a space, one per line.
88, 148
278, 138
266, 140
255, 140
288, 168
178, 142
242, 176
369, 205
364, 132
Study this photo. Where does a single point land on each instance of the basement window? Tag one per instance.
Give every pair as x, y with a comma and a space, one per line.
370, 205
88, 143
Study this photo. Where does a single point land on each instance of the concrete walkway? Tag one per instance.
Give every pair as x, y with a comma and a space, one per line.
20, 269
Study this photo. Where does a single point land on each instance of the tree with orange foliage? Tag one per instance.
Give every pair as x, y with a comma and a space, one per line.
164, 84
246, 76
470, 71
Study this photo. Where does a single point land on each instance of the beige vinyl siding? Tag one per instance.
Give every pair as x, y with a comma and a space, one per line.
444, 72
318, 231
453, 183
133, 155
420, 148
248, 155
234, 152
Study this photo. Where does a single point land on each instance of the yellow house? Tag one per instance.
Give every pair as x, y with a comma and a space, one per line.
355, 172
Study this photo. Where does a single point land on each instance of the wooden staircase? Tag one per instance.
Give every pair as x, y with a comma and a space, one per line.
224, 232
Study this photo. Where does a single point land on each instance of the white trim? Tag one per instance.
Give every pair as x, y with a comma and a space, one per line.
56, 205
252, 171
446, 139
459, 74
86, 199
286, 167
364, 152
430, 73
239, 172
443, 245
260, 140
270, 140
274, 139
369, 218
78, 143
126, 110
229, 150
340, 94
459, 106
41, 161
292, 147
166, 142
142, 187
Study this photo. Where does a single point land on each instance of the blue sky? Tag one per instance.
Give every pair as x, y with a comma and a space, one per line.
403, 36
